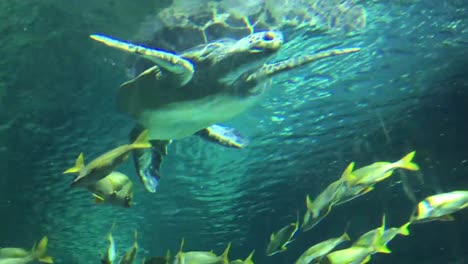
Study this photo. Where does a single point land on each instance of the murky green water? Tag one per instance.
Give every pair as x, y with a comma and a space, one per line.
405, 90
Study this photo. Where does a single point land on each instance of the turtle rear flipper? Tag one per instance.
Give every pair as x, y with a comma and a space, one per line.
169, 61
148, 161
223, 135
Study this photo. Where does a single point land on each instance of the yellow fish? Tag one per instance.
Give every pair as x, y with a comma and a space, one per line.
378, 171
316, 252
116, 189
110, 255
356, 254
323, 203
106, 163
321, 206
22, 256
440, 206
367, 239
131, 254
201, 257
280, 239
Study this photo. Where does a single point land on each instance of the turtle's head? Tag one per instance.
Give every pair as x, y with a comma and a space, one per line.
261, 42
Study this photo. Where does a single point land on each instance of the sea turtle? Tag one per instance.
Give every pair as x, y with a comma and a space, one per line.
191, 92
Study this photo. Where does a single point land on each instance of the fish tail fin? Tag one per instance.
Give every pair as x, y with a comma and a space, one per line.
39, 251
403, 230
79, 164
225, 254
249, 260
142, 140
406, 163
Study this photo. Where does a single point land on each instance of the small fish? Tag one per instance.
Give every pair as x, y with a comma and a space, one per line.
440, 206
379, 171
316, 252
116, 189
388, 234
358, 255
280, 239
106, 163
323, 203
131, 254
321, 206
248, 260
110, 255
201, 257
22, 256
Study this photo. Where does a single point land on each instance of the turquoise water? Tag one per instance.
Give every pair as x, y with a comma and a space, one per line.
405, 90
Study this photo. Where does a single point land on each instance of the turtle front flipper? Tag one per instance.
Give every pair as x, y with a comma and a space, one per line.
148, 161
169, 61
268, 70
223, 135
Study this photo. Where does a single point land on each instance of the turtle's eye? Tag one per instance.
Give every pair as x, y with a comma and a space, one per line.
268, 36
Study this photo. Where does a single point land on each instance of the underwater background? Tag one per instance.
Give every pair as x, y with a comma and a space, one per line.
407, 89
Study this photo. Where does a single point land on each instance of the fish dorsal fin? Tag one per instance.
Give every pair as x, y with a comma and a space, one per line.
224, 256
349, 169
168, 255
79, 164
309, 204
181, 245
382, 228
347, 175
248, 260
272, 236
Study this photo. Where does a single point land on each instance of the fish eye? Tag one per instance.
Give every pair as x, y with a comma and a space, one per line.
268, 36
128, 201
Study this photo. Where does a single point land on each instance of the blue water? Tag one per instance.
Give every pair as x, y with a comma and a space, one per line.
405, 90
